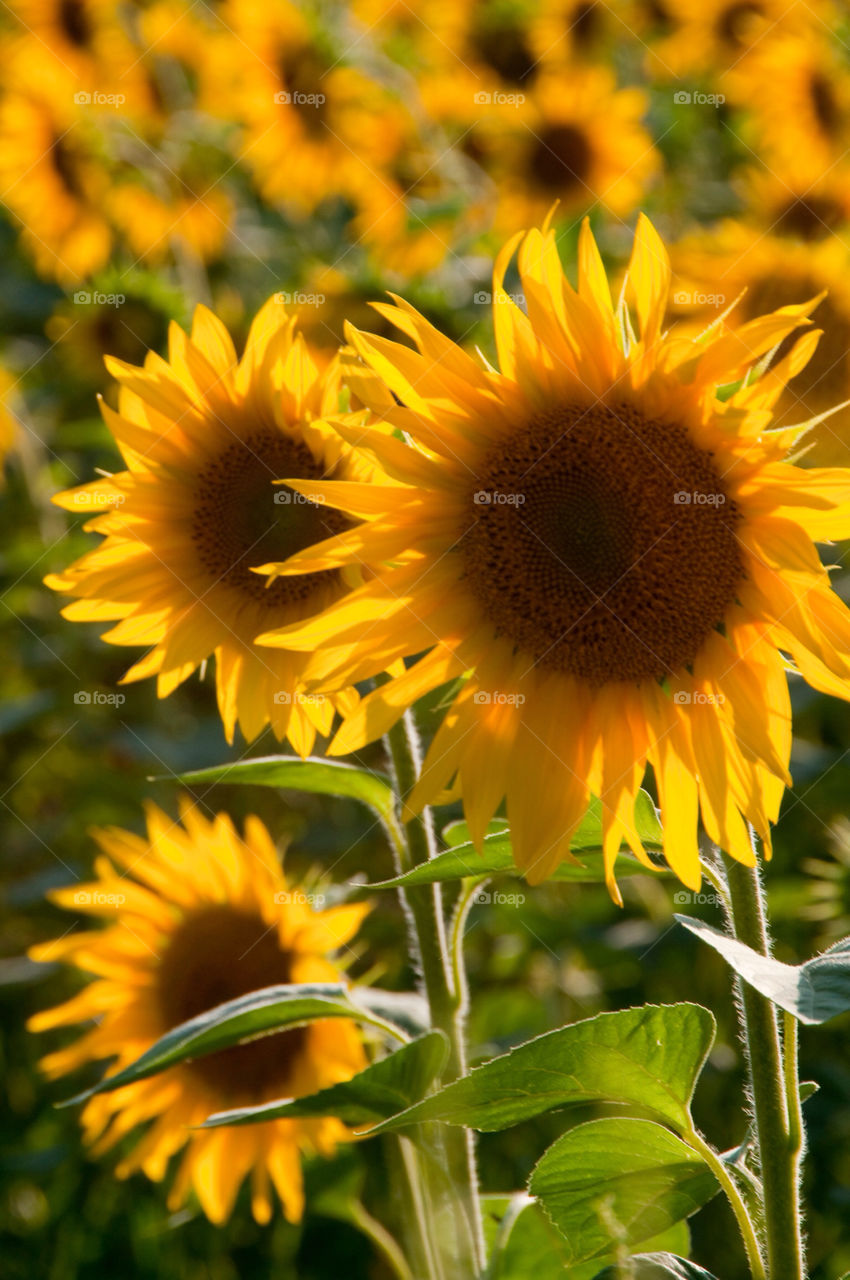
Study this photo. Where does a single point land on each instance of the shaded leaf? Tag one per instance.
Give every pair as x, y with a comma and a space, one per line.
323, 777
618, 1182
245, 1018
461, 860
529, 1244
379, 1090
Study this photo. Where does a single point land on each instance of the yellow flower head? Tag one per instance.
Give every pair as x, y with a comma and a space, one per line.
717, 35
197, 916
204, 437
53, 182
767, 270
576, 138
798, 93
610, 558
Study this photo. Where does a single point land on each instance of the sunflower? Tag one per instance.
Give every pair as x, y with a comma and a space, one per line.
577, 139
716, 35
53, 182
769, 270
204, 438
314, 125
610, 559
189, 210
81, 40
580, 29
198, 915
797, 92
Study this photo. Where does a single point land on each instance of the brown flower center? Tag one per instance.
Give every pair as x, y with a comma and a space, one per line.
505, 49
65, 168
218, 954
75, 23
302, 71
561, 158
603, 544
738, 23
824, 104
810, 217
240, 518
585, 22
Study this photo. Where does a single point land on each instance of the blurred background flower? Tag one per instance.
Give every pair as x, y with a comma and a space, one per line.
196, 916
156, 154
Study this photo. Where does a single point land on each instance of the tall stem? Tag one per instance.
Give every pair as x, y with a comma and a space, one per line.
778, 1128
445, 999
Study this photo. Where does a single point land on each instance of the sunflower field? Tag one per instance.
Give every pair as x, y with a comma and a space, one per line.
425, 433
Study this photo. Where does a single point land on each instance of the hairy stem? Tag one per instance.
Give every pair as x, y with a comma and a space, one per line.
424, 906
776, 1097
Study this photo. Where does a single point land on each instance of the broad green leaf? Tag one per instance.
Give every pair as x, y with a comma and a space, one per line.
325, 777
656, 1266
379, 1090
813, 992
808, 1088
618, 1182
461, 860
529, 1244
648, 1057
245, 1018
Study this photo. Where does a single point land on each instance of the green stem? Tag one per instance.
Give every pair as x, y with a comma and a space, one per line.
383, 1241
770, 1066
736, 1200
445, 1000
796, 1132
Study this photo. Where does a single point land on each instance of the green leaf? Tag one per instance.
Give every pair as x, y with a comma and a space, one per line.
648, 1057
618, 1182
655, 1266
461, 860
529, 1244
813, 992
808, 1088
378, 1091
457, 832
324, 777
245, 1018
